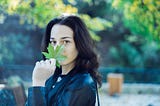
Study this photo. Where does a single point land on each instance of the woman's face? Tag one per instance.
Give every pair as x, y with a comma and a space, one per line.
63, 35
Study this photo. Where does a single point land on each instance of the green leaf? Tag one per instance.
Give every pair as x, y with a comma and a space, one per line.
50, 50
61, 58
58, 50
46, 55
57, 64
55, 53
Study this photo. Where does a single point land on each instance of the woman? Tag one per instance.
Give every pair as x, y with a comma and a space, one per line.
75, 83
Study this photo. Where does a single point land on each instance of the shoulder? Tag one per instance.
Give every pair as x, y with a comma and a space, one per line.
82, 80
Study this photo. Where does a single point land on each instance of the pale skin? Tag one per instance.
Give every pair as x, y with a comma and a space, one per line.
60, 35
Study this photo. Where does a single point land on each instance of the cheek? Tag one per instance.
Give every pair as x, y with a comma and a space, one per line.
71, 56
70, 53
69, 49
74, 54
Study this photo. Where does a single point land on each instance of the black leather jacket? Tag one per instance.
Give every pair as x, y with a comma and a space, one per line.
74, 89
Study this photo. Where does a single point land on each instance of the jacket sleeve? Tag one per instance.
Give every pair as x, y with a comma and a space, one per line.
37, 96
85, 96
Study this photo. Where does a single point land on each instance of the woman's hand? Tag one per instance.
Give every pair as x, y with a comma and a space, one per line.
42, 71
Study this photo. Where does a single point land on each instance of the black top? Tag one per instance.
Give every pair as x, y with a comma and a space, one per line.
74, 89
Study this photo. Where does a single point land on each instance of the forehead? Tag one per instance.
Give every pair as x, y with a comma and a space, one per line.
60, 31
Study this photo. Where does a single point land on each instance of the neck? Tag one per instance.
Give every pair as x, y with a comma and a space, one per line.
67, 68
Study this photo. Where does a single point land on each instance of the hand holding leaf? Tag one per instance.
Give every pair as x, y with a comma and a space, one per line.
55, 53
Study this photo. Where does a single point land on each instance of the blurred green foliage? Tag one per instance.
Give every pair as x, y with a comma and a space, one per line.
40, 12
140, 46
127, 30
142, 17
135, 51
11, 48
37, 12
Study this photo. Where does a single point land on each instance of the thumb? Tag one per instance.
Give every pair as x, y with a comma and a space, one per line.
53, 65
53, 62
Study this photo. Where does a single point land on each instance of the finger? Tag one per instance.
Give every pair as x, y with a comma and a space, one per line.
52, 68
41, 62
47, 62
53, 65
53, 62
37, 63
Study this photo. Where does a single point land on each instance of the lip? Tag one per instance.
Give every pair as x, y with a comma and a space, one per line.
63, 60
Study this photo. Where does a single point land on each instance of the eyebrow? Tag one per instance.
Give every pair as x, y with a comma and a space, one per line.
61, 38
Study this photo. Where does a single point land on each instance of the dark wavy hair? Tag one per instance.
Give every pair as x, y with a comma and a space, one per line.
87, 58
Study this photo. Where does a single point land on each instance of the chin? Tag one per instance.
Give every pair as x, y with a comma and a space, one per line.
65, 63
62, 63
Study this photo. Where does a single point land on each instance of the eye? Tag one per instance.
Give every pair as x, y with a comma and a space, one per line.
53, 42
65, 42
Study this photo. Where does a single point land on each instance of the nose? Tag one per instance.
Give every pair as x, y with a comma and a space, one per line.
58, 44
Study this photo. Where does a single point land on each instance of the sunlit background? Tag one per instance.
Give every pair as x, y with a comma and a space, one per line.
127, 38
